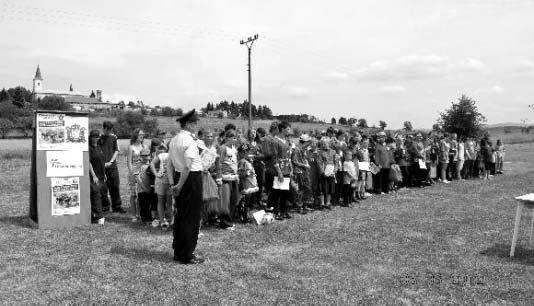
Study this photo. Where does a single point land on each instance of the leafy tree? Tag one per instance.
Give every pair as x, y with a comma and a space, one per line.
4, 95
352, 121
127, 121
131, 104
6, 125
9, 111
408, 126
167, 111
54, 103
462, 118
333, 120
342, 120
382, 124
151, 126
154, 112
92, 95
362, 123
178, 112
24, 124
436, 127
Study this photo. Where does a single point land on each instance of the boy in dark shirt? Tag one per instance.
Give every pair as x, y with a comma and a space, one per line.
110, 148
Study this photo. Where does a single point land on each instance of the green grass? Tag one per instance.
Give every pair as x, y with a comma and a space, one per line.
446, 244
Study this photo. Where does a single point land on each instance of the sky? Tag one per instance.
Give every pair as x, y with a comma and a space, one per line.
381, 60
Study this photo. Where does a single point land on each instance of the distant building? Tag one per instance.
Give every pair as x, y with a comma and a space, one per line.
78, 100
217, 114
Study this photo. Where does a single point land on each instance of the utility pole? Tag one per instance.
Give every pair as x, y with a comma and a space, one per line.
249, 42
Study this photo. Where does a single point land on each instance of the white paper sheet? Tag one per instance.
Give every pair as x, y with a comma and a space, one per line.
64, 163
281, 186
364, 166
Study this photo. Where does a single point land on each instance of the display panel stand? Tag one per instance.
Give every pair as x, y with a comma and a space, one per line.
59, 175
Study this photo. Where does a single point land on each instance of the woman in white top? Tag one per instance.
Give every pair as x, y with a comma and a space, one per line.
134, 162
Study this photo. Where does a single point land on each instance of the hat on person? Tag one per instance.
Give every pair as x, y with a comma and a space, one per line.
381, 133
305, 138
144, 152
190, 116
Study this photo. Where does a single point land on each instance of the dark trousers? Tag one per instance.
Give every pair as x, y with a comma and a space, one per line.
95, 194
381, 180
187, 218
146, 201
467, 171
259, 168
113, 186
406, 176
277, 198
348, 192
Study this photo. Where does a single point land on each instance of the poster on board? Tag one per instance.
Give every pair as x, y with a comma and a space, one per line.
62, 132
64, 163
65, 196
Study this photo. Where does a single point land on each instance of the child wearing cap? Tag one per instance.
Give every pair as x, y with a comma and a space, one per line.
162, 187
145, 189
248, 185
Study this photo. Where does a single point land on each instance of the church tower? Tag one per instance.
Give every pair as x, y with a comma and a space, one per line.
37, 81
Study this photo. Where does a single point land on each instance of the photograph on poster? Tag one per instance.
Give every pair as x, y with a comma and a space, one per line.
65, 196
62, 132
50, 131
64, 163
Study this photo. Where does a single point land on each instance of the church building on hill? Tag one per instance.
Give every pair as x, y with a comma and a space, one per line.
78, 100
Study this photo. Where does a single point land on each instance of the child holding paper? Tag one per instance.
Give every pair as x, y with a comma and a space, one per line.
363, 165
161, 187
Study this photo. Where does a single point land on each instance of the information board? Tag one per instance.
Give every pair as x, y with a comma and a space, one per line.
59, 193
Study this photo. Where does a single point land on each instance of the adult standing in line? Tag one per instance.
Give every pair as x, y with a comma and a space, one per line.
110, 148
134, 165
382, 160
255, 138
97, 177
185, 178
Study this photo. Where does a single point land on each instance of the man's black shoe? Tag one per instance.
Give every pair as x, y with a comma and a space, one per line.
279, 217
193, 261
119, 210
287, 216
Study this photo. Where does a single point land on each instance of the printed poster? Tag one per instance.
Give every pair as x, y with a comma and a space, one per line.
62, 132
65, 196
64, 163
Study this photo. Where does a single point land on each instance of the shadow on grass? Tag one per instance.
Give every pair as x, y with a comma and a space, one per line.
142, 254
22, 221
522, 255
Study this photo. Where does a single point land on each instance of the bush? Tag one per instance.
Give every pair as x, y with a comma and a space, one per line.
54, 103
128, 121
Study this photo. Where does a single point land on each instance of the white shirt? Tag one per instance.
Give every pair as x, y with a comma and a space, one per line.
181, 147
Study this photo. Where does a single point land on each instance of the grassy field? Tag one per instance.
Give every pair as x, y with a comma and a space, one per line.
446, 244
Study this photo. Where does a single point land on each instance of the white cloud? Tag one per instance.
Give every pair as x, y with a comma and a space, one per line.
336, 76
497, 89
412, 67
524, 67
392, 90
416, 67
297, 92
471, 64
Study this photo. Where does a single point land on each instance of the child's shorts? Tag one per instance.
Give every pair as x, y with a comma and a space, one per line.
362, 177
161, 188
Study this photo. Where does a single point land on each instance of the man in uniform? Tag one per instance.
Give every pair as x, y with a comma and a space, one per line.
184, 170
